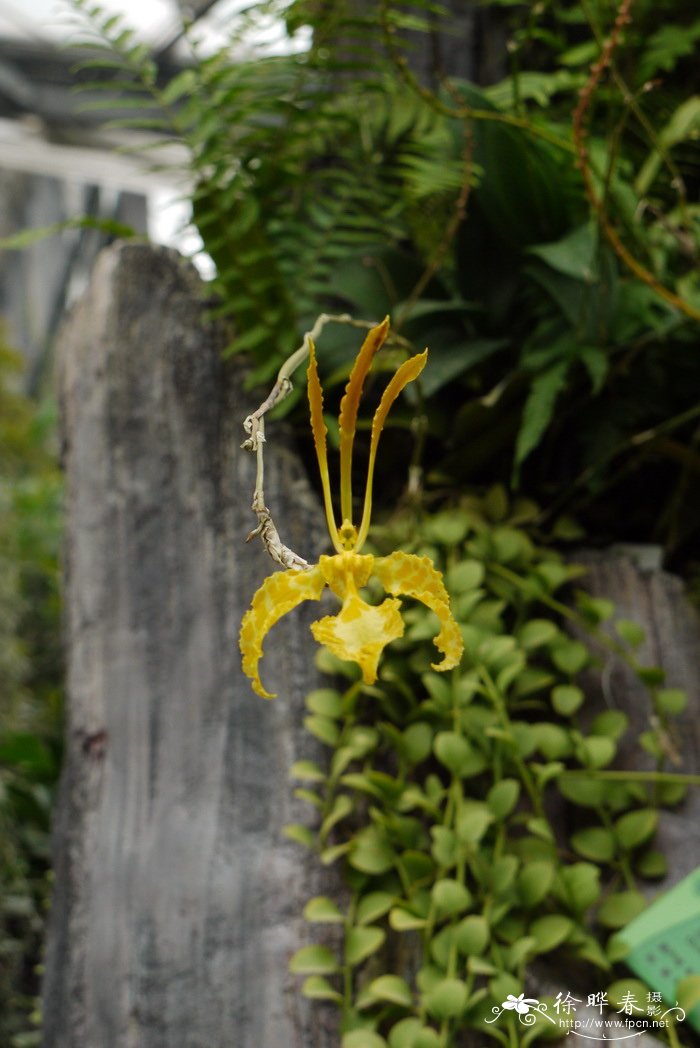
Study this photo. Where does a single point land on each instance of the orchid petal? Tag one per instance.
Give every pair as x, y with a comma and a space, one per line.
319, 430
347, 419
278, 594
409, 370
412, 576
360, 632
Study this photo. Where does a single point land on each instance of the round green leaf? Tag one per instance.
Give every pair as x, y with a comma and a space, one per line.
581, 790
620, 908
361, 943
318, 988
465, 576
403, 921
612, 723
416, 742
471, 935
597, 750
321, 910
569, 656
450, 897
537, 632
371, 853
566, 699
671, 702
446, 999
327, 702
313, 960
323, 728
581, 885
636, 827
403, 1034
452, 750
652, 864
550, 931
631, 632
391, 988
594, 843
535, 880
373, 906
503, 797
473, 822
307, 771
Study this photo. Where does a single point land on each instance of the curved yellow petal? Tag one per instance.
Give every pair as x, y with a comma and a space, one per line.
318, 428
360, 632
278, 594
409, 370
412, 576
348, 411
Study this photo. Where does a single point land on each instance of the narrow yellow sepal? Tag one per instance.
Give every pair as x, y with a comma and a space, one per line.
409, 370
347, 420
278, 594
319, 430
412, 576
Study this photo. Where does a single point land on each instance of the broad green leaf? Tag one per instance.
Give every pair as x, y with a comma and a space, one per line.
569, 656
550, 931
670, 702
652, 865
471, 935
567, 699
371, 852
537, 632
619, 908
631, 632
301, 834
391, 988
502, 797
326, 702
636, 827
362, 1039
594, 843
582, 790
450, 897
342, 807
323, 911
361, 943
318, 988
323, 728
467, 575
373, 906
580, 884
307, 771
452, 750
473, 822
447, 999
417, 741
534, 881
313, 960
403, 921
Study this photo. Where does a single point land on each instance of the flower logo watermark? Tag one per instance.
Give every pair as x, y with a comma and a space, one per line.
631, 1019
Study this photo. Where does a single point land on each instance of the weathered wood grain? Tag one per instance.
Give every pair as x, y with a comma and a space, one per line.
177, 900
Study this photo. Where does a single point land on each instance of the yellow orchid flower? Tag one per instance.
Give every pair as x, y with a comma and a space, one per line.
360, 631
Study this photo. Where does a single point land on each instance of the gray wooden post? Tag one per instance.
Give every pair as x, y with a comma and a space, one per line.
177, 899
